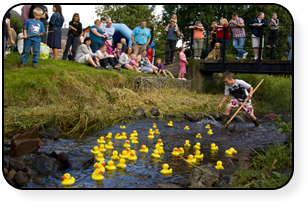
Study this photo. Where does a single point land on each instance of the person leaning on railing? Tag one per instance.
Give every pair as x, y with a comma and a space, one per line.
198, 39
220, 32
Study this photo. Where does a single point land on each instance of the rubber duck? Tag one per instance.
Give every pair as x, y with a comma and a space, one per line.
132, 155
191, 159
124, 154
132, 136
151, 136
214, 147
118, 136
122, 163
135, 141
101, 140
186, 128
165, 169
198, 154
144, 149
199, 135
160, 142
197, 146
154, 125
187, 143
170, 124
157, 131
160, 149
109, 136
100, 166
97, 175
67, 179
127, 144
155, 154
128, 151
231, 151
151, 131
124, 135
115, 155
123, 127
181, 150
175, 152
210, 132
219, 165
100, 157
135, 133
110, 145
208, 126
111, 166
95, 151
102, 148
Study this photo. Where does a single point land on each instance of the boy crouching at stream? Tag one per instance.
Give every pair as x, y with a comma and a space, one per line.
238, 89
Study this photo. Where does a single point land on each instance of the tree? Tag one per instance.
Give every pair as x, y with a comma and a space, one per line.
17, 24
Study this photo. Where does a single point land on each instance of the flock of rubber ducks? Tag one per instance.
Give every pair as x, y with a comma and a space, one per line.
100, 165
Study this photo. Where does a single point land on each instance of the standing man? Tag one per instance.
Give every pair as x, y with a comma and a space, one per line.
238, 31
109, 32
43, 19
257, 24
172, 31
141, 37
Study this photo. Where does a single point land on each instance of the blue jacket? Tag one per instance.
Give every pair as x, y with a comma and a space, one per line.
256, 29
56, 21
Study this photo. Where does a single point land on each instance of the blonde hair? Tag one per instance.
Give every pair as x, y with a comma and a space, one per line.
223, 21
119, 44
97, 20
37, 11
174, 16
214, 22
123, 40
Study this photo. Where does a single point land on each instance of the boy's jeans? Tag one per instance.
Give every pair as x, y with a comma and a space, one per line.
26, 51
238, 44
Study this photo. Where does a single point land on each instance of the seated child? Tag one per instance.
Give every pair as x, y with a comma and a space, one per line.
105, 59
118, 51
133, 63
124, 45
161, 68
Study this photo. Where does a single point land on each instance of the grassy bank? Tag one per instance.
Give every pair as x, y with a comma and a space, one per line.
77, 97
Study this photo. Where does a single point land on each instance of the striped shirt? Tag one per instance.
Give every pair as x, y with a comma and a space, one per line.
237, 32
273, 27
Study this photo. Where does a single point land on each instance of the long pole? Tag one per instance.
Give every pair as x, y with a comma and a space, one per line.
37, 34
228, 123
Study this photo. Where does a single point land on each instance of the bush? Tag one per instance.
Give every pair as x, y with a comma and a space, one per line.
17, 24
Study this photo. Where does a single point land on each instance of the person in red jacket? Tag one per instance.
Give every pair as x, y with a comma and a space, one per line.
220, 32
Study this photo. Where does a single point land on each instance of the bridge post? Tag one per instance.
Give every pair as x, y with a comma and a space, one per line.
260, 48
223, 50
207, 42
191, 40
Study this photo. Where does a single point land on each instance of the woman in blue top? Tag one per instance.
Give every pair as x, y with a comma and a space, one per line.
55, 25
97, 35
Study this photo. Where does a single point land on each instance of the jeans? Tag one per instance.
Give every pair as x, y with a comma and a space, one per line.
272, 37
226, 43
238, 44
290, 53
26, 51
104, 62
198, 45
170, 46
71, 40
94, 46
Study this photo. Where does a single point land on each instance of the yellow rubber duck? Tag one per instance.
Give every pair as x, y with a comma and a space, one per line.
154, 125
198, 154
132, 136
155, 154
97, 175
160, 142
186, 128
111, 166
123, 127
157, 131
144, 149
95, 151
102, 148
101, 140
100, 157
127, 144
124, 154
175, 152
208, 126
151, 136
214, 147
191, 159
187, 143
124, 135
100, 166
151, 131
197, 146
165, 169
128, 151
160, 149
219, 165
109, 136
118, 136
110, 145
122, 163
210, 132
132, 155
135, 141
135, 133
170, 124
115, 155
199, 135
181, 150
67, 179
231, 151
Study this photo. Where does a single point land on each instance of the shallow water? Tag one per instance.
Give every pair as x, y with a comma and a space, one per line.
145, 172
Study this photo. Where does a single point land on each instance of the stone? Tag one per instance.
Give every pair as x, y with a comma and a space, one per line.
46, 141
39, 179
10, 134
49, 134
216, 116
45, 165
5, 171
7, 143
154, 111
78, 159
168, 185
11, 174
32, 173
17, 165
225, 181
62, 157
200, 178
140, 111
21, 178
25, 142
239, 119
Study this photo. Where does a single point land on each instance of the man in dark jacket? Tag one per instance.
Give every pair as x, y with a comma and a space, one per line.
257, 25
43, 19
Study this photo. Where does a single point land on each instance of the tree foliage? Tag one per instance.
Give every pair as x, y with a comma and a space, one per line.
17, 24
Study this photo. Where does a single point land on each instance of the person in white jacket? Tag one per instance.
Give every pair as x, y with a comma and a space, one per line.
85, 55
125, 58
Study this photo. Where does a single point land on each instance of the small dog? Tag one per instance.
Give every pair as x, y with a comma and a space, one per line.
215, 52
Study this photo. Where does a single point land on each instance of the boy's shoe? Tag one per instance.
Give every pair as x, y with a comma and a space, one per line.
98, 68
245, 55
108, 69
224, 119
256, 123
117, 68
21, 65
35, 66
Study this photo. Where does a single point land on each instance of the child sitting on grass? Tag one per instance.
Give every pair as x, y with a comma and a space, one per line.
161, 68
105, 59
133, 63
118, 51
124, 45
33, 27
238, 89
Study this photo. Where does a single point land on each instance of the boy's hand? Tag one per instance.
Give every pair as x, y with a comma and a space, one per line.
219, 107
186, 62
250, 95
41, 34
25, 37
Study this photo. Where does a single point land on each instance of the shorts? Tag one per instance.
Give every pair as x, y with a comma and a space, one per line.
84, 59
182, 68
146, 69
256, 41
247, 108
123, 65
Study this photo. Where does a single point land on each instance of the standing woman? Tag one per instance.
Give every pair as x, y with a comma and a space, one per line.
75, 29
55, 25
198, 39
